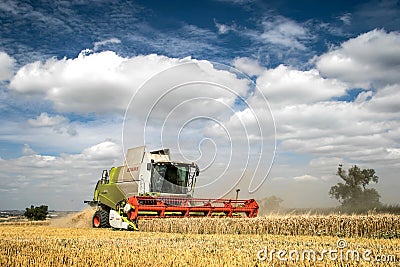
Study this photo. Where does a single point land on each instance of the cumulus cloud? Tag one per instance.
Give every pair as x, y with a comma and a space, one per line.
98, 82
386, 100
44, 120
164, 104
310, 121
248, 65
75, 135
27, 150
105, 82
369, 60
173, 110
286, 85
57, 123
364, 130
104, 150
168, 95
192, 113
335, 129
6, 66
71, 175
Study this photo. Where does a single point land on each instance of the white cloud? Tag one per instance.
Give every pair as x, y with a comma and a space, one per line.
346, 18
99, 44
6, 66
44, 120
238, 2
105, 82
178, 91
104, 150
223, 28
174, 97
363, 96
75, 135
386, 100
336, 130
305, 178
310, 122
330, 162
369, 60
61, 82
98, 82
66, 178
248, 65
394, 152
325, 167
27, 150
285, 32
285, 85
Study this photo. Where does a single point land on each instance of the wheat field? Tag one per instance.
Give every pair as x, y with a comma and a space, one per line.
54, 246
375, 226
180, 242
381, 226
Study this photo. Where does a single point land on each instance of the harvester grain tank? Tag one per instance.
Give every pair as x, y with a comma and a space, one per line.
150, 185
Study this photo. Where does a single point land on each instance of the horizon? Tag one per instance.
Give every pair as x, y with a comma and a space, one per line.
266, 97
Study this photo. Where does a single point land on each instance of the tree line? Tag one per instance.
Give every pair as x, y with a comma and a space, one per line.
353, 192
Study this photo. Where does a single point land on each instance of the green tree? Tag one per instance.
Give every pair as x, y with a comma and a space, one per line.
36, 213
352, 193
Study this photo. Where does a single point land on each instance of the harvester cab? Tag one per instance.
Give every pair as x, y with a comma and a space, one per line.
150, 185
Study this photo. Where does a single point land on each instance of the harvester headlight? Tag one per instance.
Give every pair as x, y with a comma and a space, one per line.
127, 207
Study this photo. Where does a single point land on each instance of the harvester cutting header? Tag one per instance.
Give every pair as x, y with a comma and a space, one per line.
150, 185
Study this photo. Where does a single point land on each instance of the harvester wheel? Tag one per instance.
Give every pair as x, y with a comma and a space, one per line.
100, 219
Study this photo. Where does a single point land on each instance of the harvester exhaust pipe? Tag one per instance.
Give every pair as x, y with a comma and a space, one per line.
237, 193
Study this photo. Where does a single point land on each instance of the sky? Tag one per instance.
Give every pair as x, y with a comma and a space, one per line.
266, 96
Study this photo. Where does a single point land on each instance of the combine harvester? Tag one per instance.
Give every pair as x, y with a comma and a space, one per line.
150, 185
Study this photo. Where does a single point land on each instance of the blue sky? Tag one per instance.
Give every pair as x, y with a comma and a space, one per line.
68, 69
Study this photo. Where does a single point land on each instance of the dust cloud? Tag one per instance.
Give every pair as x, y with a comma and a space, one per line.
81, 219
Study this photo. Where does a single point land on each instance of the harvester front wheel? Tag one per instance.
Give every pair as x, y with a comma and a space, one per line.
100, 219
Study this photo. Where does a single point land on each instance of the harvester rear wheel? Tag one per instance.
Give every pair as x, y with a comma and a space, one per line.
100, 219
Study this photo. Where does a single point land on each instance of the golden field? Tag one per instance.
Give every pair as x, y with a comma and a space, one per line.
382, 226
73, 243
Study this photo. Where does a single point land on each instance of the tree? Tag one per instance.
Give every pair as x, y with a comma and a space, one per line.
36, 213
353, 194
